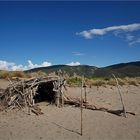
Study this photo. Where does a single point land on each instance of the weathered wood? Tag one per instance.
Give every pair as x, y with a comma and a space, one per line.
36, 110
119, 91
77, 103
62, 98
82, 107
21, 93
57, 98
84, 86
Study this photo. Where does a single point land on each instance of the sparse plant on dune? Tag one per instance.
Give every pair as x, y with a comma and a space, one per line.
14, 74
121, 81
19, 74
132, 81
99, 83
74, 81
4, 74
41, 73
111, 82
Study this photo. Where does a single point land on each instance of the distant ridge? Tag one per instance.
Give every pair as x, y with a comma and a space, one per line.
80, 70
131, 69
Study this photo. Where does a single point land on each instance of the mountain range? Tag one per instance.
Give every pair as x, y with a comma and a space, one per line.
131, 69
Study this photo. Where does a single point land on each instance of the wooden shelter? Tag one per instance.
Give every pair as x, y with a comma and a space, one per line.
25, 93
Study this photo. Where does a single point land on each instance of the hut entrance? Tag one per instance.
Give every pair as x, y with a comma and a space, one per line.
45, 92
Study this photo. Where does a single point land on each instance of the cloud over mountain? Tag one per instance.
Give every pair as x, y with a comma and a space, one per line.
4, 65
74, 64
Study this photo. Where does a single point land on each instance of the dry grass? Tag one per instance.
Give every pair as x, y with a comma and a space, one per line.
37, 74
20, 74
4, 74
133, 81
112, 82
74, 81
99, 83
121, 81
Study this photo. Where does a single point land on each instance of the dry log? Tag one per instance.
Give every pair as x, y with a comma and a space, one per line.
77, 103
36, 110
21, 93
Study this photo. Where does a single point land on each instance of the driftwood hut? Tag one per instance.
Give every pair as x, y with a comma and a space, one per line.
25, 93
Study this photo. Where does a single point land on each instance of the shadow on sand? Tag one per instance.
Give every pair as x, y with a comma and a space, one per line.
66, 128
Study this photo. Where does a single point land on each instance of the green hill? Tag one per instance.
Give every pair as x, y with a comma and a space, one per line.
80, 70
131, 69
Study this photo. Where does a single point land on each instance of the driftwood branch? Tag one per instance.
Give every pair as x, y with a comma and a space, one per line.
119, 91
76, 103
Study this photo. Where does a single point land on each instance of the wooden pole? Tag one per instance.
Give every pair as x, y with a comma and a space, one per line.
82, 107
29, 110
57, 98
118, 86
85, 94
62, 98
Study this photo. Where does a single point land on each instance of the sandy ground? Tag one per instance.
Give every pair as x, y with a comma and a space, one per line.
4, 83
64, 123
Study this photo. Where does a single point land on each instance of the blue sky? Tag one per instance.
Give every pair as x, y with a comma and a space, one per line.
34, 34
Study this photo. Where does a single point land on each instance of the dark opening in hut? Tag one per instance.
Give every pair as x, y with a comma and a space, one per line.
45, 92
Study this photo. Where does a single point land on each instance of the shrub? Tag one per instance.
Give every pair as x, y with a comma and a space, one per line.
121, 82
19, 74
99, 83
37, 74
41, 73
132, 82
138, 80
4, 74
106, 78
74, 81
111, 82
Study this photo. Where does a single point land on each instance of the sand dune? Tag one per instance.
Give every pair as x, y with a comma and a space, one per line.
64, 123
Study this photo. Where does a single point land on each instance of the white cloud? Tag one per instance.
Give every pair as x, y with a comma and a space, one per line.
73, 64
18, 67
134, 41
129, 37
44, 64
78, 53
88, 34
4, 65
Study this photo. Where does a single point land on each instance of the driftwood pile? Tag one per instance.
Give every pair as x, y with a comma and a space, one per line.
20, 94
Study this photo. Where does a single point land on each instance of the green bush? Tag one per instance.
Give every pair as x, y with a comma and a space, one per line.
74, 81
